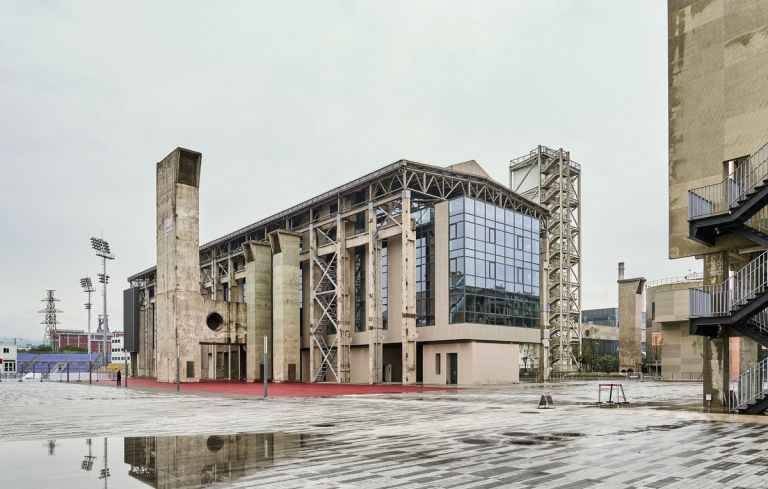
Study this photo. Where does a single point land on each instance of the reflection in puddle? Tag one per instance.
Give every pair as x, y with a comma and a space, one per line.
197, 461
163, 462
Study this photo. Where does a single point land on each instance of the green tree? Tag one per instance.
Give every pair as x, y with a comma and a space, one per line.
41, 349
73, 349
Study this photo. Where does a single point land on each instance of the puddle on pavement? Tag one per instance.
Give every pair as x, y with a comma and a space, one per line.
172, 462
478, 441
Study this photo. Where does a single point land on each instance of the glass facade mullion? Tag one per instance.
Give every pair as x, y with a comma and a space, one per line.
493, 265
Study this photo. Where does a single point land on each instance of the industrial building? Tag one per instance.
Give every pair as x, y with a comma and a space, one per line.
718, 169
411, 273
671, 348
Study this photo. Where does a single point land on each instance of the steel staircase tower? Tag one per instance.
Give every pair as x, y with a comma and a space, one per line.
737, 205
551, 179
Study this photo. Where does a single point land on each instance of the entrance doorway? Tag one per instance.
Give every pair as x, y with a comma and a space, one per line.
222, 361
453, 368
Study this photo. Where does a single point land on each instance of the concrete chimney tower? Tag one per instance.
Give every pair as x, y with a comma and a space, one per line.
621, 270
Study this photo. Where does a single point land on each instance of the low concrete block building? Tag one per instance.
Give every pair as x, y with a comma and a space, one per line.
412, 273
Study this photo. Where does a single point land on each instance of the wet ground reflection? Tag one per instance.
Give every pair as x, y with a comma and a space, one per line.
163, 462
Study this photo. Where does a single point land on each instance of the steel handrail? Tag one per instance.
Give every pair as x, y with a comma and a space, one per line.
721, 197
724, 298
750, 386
749, 281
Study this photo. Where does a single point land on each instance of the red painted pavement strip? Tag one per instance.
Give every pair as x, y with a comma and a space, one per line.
281, 390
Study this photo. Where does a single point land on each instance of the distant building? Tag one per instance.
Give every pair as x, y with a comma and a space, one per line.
79, 338
8, 355
677, 353
118, 347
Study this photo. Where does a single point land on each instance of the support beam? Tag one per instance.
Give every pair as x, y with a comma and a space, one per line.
343, 306
408, 291
373, 303
716, 370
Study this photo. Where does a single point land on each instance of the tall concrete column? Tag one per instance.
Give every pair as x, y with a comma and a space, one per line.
258, 292
285, 305
630, 321
373, 302
408, 290
343, 306
314, 310
716, 371
178, 263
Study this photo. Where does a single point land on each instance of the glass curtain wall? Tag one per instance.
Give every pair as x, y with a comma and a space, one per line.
493, 265
424, 217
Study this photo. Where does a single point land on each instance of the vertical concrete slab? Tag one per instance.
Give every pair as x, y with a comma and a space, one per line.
408, 290
442, 285
630, 321
258, 292
715, 370
178, 262
313, 276
373, 301
285, 305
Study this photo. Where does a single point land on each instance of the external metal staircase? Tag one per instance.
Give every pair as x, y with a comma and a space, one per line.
735, 205
749, 391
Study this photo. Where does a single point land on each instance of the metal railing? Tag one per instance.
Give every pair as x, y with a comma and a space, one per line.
760, 322
749, 387
722, 299
749, 281
721, 197
708, 301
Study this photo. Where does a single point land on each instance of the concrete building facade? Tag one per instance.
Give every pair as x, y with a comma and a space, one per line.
412, 273
718, 129
671, 347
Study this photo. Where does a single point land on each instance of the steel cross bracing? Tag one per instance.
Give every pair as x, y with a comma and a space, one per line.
550, 178
50, 321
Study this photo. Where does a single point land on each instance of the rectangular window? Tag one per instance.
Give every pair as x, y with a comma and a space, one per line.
437, 363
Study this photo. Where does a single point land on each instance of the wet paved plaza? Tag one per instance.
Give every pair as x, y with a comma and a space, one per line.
472, 438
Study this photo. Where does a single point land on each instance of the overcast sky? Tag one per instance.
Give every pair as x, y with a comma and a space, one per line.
289, 99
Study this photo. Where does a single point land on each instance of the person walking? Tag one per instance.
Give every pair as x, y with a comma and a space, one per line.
118, 378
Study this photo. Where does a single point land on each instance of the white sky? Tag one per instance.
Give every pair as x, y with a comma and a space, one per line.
288, 99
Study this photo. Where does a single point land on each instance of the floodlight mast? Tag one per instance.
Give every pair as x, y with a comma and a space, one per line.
102, 250
88, 288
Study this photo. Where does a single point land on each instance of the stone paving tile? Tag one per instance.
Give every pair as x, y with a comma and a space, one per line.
431, 440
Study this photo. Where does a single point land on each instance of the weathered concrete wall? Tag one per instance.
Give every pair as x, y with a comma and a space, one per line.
718, 101
285, 306
679, 353
258, 292
630, 323
178, 272
184, 318
716, 370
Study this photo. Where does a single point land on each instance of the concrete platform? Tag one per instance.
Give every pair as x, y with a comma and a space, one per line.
467, 438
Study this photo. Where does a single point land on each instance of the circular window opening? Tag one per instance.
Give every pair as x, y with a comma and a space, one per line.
214, 321
214, 443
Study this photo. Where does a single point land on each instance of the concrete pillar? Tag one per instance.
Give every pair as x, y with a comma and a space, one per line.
715, 370
178, 262
285, 305
343, 306
748, 354
631, 323
314, 310
408, 290
544, 302
258, 290
373, 301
